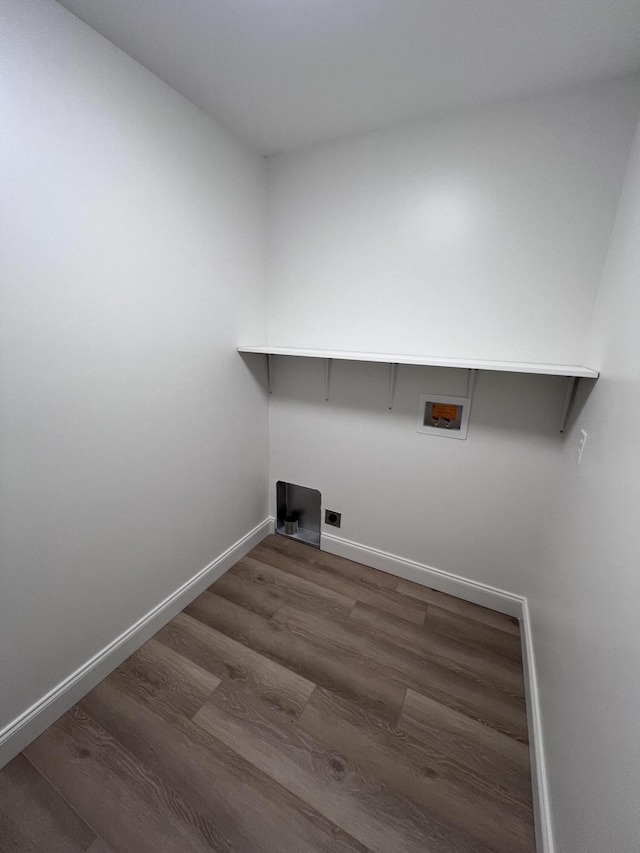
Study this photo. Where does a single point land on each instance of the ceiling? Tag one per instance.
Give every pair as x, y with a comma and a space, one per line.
281, 74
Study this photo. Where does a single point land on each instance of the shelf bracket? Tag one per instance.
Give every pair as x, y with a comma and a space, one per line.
572, 387
327, 377
393, 378
472, 378
269, 371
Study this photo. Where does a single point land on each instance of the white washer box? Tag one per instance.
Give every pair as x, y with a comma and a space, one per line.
447, 417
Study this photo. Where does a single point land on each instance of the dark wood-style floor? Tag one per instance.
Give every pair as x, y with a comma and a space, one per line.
303, 703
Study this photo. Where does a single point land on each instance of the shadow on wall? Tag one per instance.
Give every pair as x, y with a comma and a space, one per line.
257, 367
581, 396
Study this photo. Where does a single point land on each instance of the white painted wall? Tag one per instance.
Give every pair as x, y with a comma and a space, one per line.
477, 235
133, 437
468, 507
521, 279
585, 618
521, 254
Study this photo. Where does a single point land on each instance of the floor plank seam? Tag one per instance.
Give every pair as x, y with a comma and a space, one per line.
64, 798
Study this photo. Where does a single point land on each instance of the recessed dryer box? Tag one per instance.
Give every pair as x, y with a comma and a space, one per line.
298, 513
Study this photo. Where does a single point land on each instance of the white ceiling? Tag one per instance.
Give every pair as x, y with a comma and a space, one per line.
285, 73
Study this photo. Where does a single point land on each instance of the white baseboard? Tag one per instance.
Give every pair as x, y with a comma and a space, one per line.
541, 802
495, 599
477, 593
31, 723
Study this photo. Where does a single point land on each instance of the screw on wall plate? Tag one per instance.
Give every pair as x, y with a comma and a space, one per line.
332, 518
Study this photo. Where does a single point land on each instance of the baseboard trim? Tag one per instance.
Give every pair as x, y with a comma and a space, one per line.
477, 593
487, 596
539, 779
25, 728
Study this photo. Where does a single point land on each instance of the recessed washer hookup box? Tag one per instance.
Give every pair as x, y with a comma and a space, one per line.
447, 417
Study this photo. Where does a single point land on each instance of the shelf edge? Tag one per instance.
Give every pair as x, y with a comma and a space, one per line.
544, 369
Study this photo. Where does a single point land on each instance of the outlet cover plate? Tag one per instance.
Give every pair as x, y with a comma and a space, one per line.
332, 518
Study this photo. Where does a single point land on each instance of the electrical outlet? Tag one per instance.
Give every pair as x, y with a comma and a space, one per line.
332, 518
581, 445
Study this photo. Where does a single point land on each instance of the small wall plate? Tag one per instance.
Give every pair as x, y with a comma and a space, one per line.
447, 417
332, 518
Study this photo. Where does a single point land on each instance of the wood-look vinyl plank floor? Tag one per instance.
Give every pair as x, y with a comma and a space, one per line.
99, 846
125, 803
330, 782
250, 810
457, 605
321, 664
368, 592
251, 583
338, 565
490, 706
425, 774
303, 704
226, 657
32, 812
477, 663
491, 755
473, 633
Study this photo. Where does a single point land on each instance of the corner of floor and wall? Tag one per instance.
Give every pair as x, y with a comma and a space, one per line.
140, 452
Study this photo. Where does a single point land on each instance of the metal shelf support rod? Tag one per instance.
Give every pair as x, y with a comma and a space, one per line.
327, 377
269, 371
393, 378
572, 386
